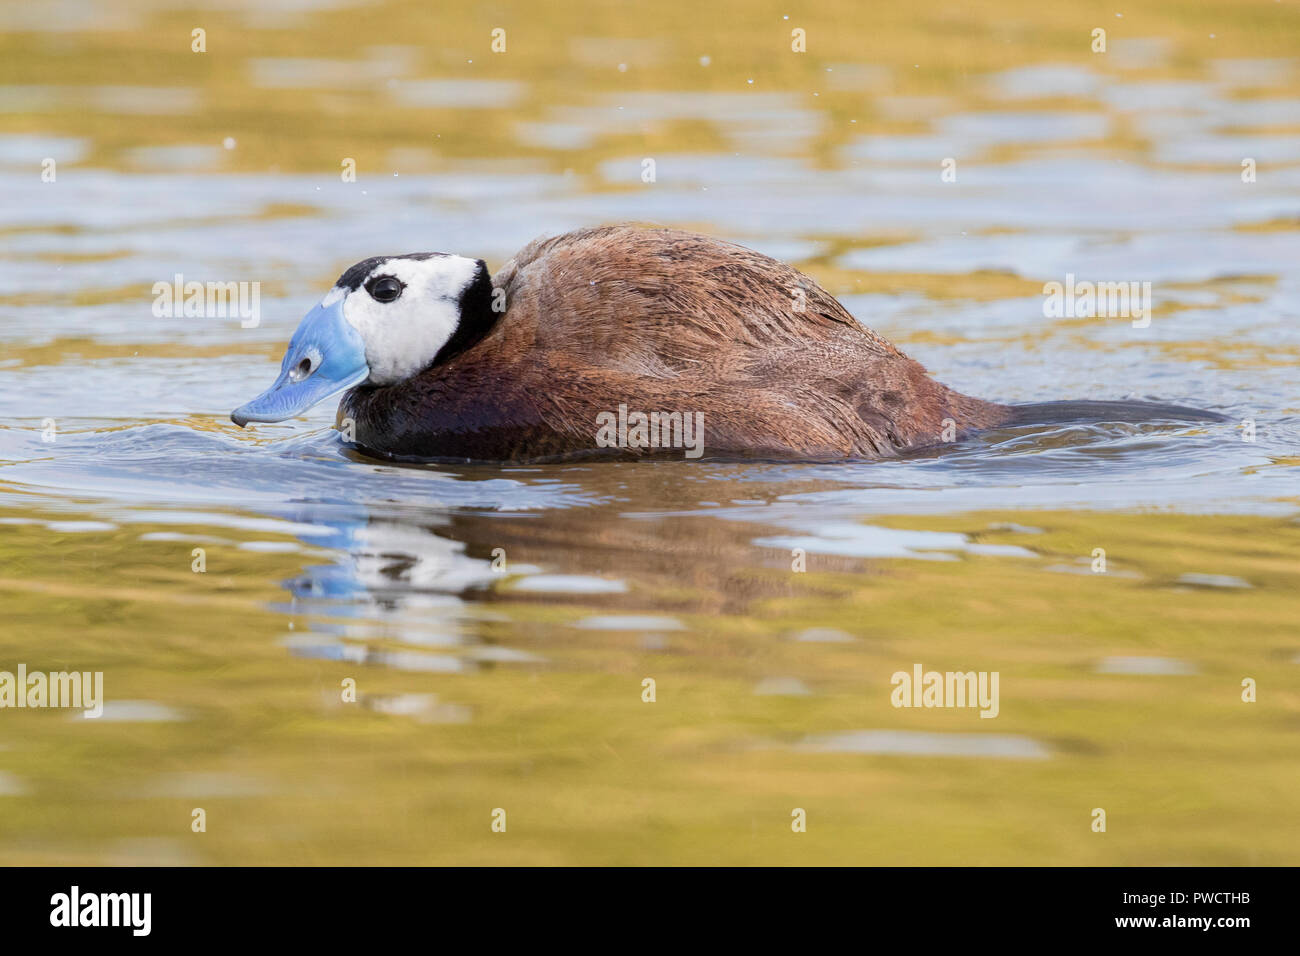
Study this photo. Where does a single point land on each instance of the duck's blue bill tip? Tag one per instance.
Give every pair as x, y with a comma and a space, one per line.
325, 356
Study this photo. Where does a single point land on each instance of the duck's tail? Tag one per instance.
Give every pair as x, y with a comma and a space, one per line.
1054, 413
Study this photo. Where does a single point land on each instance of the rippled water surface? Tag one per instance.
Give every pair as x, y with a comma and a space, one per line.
499, 622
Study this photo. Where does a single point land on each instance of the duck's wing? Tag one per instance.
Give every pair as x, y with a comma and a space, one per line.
663, 300
663, 319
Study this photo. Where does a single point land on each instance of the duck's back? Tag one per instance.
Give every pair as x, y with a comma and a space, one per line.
660, 320
671, 297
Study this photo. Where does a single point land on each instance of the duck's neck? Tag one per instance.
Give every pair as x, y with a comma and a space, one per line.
476, 316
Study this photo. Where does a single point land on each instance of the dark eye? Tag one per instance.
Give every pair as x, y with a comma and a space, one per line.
385, 288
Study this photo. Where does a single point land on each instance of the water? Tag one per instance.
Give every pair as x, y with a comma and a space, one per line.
499, 622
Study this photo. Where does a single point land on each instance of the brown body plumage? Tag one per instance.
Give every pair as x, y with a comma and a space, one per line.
668, 321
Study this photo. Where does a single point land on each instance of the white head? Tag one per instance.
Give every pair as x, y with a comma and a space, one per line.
406, 308
386, 319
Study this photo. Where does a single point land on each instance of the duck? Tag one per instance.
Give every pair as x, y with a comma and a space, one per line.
624, 342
